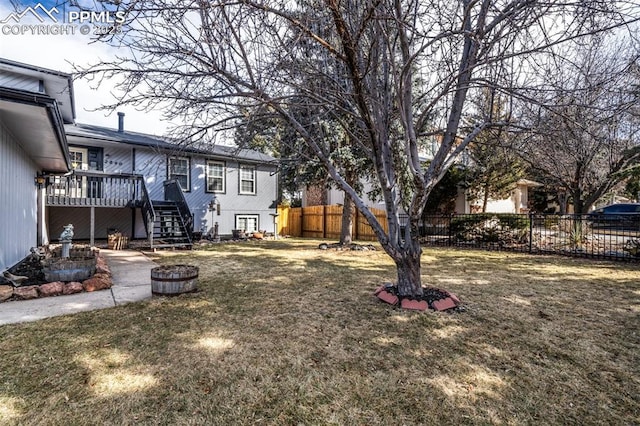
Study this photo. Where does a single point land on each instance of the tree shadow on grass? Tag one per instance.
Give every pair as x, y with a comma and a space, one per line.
280, 337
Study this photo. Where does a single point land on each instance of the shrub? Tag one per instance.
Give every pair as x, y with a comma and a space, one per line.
632, 246
491, 227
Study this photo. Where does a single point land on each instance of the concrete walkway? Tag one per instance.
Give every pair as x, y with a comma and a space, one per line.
131, 274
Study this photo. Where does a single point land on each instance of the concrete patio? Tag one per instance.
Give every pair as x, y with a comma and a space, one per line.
131, 274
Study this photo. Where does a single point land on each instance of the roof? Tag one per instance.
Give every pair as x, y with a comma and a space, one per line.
527, 182
57, 85
106, 134
35, 121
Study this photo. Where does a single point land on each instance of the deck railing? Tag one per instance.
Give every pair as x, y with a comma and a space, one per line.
82, 188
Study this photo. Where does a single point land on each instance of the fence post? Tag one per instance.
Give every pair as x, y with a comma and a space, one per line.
449, 242
324, 221
357, 225
302, 222
530, 232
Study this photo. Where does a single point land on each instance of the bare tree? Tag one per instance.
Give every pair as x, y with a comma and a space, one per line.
584, 138
495, 166
299, 166
400, 70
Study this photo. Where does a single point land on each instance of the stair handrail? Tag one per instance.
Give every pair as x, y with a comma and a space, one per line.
148, 212
173, 192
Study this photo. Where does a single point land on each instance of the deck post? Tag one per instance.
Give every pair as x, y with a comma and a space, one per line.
92, 226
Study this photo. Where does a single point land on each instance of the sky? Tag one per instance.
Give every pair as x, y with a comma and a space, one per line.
59, 51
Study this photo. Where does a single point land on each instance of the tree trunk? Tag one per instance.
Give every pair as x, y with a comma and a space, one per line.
578, 202
485, 200
409, 271
562, 202
347, 221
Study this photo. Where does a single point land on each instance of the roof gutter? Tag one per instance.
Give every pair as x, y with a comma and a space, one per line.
42, 70
43, 101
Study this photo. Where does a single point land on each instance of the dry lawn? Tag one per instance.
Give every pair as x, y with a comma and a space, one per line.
284, 334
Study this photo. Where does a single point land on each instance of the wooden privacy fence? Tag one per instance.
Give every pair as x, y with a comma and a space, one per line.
325, 222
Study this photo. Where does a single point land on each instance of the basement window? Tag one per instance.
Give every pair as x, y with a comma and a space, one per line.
247, 222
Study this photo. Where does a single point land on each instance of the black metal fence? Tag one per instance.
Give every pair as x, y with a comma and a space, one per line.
606, 237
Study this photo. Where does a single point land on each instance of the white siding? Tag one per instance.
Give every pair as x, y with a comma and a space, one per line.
18, 215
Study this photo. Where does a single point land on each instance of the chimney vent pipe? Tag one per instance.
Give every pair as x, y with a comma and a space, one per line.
121, 122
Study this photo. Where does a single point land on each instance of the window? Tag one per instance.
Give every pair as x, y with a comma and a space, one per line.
247, 222
179, 169
79, 158
215, 176
247, 179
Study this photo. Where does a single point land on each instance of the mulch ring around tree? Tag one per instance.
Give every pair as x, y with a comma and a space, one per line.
432, 298
352, 246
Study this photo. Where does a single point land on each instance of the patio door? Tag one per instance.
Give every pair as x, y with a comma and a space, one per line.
79, 161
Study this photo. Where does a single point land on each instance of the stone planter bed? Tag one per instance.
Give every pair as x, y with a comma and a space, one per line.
49, 275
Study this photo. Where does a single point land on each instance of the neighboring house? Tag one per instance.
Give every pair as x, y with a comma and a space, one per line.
34, 105
318, 194
55, 172
517, 202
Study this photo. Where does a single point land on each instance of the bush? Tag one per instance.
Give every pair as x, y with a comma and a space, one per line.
491, 227
632, 246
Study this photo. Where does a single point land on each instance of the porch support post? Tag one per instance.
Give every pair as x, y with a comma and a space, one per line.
40, 218
92, 226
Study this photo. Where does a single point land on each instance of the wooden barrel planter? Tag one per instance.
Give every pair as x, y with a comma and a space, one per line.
174, 279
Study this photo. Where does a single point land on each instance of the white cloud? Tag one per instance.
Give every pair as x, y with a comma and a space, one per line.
58, 52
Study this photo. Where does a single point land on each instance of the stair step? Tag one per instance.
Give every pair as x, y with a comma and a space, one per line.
168, 230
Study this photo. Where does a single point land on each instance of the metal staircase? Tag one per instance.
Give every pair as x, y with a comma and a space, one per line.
169, 223
170, 229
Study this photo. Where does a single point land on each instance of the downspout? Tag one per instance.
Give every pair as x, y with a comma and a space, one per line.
133, 209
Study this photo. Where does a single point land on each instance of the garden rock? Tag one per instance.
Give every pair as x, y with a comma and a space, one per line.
102, 267
26, 293
6, 291
98, 282
72, 288
51, 289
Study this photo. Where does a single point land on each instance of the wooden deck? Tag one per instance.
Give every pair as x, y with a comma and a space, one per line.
94, 189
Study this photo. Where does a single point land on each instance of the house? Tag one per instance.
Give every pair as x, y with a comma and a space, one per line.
116, 171
35, 103
517, 202
56, 171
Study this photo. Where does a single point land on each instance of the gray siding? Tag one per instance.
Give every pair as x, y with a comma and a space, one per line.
18, 214
153, 166
118, 160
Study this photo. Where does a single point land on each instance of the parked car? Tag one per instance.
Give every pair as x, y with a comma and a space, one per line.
617, 216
